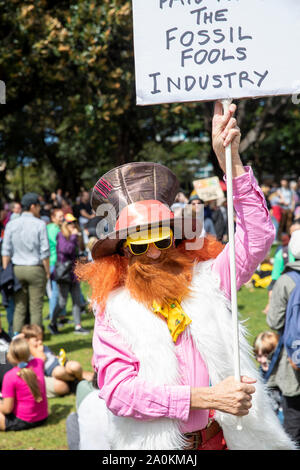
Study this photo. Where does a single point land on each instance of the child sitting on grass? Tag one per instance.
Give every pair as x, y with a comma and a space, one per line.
264, 346
24, 403
60, 379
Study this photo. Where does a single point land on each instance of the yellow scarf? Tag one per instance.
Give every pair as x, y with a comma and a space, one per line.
177, 320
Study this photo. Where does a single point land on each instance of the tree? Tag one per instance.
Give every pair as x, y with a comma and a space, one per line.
70, 78
68, 67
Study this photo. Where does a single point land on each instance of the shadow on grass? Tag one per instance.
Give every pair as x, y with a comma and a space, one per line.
58, 412
74, 345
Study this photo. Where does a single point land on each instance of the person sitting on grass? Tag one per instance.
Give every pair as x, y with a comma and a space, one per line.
24, 403
264, 346
61, 379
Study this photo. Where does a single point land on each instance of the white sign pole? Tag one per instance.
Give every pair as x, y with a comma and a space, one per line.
234, 309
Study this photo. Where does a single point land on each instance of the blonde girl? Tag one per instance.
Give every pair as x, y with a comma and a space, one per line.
24, 403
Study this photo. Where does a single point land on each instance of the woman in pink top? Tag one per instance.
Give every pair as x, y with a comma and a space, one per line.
24, 402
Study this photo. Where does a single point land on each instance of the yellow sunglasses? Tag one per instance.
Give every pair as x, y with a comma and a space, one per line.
139, 247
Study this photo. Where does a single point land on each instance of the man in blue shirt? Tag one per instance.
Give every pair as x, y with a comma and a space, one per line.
26, 245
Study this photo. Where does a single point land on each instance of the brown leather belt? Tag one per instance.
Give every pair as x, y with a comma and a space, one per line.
196, 438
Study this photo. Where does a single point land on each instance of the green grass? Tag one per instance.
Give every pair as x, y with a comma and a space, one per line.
251, 302
52, 436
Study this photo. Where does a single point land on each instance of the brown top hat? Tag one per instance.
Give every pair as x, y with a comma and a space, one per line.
135, 196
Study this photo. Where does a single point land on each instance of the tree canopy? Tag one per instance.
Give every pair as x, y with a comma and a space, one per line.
68, 67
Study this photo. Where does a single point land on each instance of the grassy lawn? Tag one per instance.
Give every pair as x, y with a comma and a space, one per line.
251, 302
52, 436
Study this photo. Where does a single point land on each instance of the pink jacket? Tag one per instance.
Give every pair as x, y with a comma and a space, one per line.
118, 369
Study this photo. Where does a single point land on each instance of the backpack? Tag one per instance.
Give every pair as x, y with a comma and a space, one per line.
290, 338
291, 334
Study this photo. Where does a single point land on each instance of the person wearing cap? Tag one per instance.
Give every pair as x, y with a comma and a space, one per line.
160, 290
69, 241
284, 375
26, 245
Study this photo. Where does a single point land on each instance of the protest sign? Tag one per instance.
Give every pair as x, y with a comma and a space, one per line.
208, 189
194, 50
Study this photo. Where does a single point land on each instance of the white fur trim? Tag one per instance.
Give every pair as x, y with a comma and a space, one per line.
212, 334
149, 339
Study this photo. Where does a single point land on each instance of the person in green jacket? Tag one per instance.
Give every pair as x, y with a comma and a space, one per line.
57, 218
281, 258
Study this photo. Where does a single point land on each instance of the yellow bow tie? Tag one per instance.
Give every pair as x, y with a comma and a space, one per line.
177, 320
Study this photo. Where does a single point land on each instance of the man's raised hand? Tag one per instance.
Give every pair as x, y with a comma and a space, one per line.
224, 132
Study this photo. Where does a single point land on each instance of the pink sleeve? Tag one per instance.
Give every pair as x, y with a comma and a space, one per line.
121, 388
254, 232
8, 386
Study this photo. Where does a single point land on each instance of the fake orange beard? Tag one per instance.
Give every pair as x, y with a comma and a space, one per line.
102, 275
168, 278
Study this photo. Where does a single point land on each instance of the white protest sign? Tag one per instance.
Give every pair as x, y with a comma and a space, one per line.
208, 189
194, 50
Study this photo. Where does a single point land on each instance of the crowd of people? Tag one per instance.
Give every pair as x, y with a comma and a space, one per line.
41, 240
283, 203
214, 213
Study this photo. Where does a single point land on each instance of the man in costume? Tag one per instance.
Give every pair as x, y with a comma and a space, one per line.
163, 346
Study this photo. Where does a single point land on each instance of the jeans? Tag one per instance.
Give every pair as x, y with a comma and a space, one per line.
209, 226
276, 225
54, 297
82, 299
83, 221
10, 315
63, 292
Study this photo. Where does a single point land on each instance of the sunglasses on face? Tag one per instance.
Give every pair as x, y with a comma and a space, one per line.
141, 249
